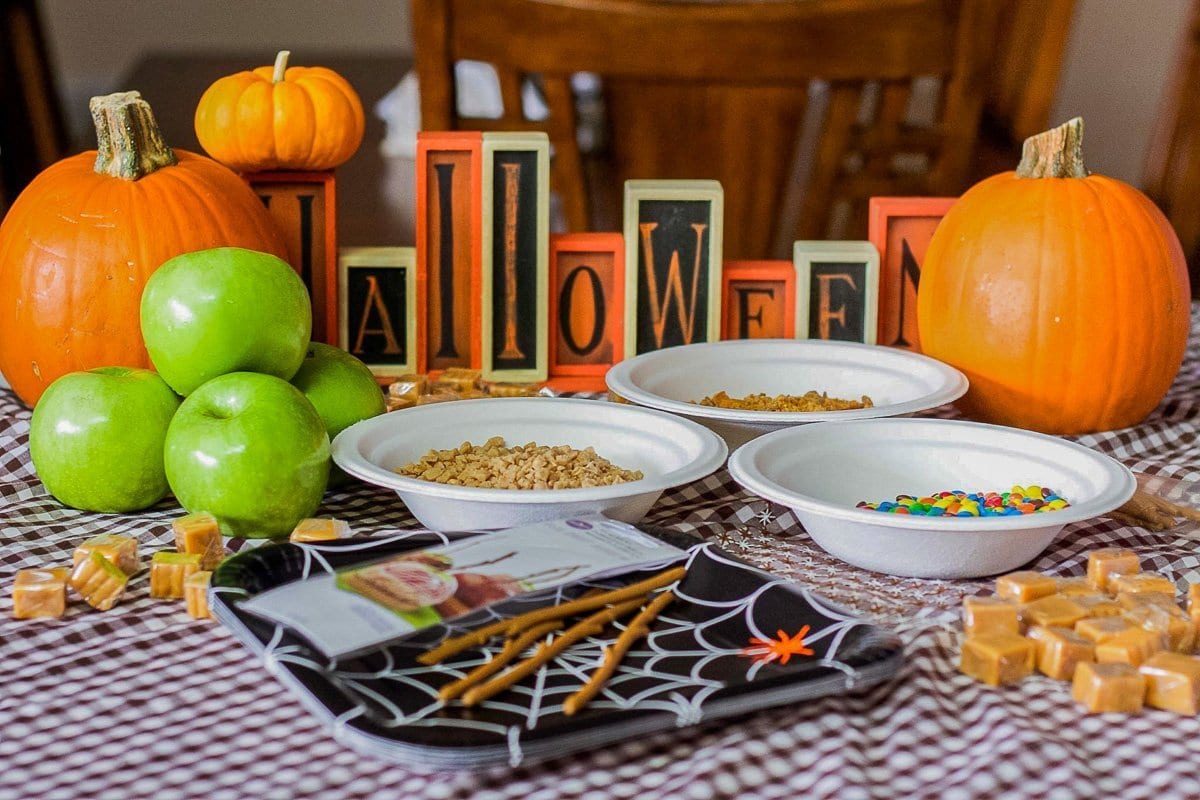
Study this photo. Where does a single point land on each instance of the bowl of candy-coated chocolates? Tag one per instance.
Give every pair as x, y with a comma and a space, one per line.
931, 498
678, 379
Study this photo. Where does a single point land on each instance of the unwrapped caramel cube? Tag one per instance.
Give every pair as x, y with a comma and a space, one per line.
511, 389
1026, 586
990, 615
437, 397
1140, 582
408, 387
997, 658
1108, 687
195, 593
1168, 620
99, 581
1133, 646
1059, 650
168, 571
1101, 629
1103, 564
1074, 586
200, 534
120, 550
1173, 682
40, 593
1098, 605
461, 379
1055, 611
320, 530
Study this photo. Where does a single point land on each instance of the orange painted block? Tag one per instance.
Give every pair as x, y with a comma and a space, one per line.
901, 227
758, 300
449, 249
304, 206
587, 306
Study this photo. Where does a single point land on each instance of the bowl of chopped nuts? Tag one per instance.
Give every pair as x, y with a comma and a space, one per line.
744, 388
500, 462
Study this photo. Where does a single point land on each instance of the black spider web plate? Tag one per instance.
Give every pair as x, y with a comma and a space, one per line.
691, 668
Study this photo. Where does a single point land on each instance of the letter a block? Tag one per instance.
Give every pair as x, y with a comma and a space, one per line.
449, 248
587, 308
837, 290
673, 256
304, 206
377, 286
758, 300
900, 228
515, 264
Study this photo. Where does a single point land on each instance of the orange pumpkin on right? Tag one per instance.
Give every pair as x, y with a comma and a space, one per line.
1062, 296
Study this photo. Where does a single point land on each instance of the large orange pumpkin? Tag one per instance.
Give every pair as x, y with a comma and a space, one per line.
1062, 295
79, 243
304, 118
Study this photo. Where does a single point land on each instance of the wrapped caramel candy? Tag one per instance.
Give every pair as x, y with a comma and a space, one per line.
1026, 586
511, 389
997, 658
1101, 629
989, 615
1173, 682
1140, 582
461, 379
40, 593
195, 593
1130, 647
1106, 562
1193, 602
1098, 605
320, 530
1074, 586
437, 397
397, 403
1055, 611
1132, 600
1168, 620
1059, 650
200, 534
120, 550
168, 571
99, 581
1108, 687
408, 387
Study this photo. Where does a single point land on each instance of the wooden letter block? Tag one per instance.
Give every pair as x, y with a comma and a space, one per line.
673, 249
304, 206
516, 230
449, 248
837, 290
758, 300
587, 308
901, 227
378, 291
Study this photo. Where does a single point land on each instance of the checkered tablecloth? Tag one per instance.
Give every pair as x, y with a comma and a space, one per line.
143, 702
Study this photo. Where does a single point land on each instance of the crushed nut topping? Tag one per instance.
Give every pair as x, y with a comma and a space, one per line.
493, 465
810, 401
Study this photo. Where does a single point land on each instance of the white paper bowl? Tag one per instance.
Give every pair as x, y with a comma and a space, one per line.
670, 452
898, 382
822, 471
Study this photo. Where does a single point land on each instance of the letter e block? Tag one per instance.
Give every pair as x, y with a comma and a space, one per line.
837, 290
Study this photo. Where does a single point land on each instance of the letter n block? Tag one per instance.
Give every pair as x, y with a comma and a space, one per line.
515, 266
587, 308
900, 228
837, 290
673, 260
377, 287
758, 300
449, 248
304, 206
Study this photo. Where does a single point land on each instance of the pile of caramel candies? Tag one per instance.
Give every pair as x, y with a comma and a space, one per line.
1118, 635
456, 383
103, 565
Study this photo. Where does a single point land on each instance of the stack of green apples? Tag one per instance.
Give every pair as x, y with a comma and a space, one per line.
237, 418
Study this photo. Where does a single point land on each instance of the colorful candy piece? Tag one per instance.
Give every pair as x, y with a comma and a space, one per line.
99, 581
1059, 650
1025, 586
1108, 687
984, 615
168, 571
958, 503
997, 659
1173, 682
1107, 562
195, 593
40, 593
201, 534
120, 550
320, 530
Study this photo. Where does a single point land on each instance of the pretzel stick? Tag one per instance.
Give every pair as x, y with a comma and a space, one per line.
477, 637
1175, 510
1144, 508
1134, 522
639, 627
590, 626
512, 648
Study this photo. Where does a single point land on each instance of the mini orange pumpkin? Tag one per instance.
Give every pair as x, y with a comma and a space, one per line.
1063, 296
304, 118
79, 243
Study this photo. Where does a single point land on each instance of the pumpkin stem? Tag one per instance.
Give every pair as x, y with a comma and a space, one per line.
129, 143
1056, 153
281, 59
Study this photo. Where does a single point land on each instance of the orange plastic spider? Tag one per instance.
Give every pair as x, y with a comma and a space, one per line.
768, 650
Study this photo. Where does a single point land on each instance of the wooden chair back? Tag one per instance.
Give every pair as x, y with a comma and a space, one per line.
723, 90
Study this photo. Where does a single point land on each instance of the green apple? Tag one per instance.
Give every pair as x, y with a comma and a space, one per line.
96, 438
223, 310
251, 450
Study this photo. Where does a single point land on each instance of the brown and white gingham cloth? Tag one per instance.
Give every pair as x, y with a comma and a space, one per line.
143, 702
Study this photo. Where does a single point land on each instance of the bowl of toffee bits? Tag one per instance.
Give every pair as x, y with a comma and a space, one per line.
742, 389
499, 462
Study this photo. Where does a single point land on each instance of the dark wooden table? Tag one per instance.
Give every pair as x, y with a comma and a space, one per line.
375, 194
